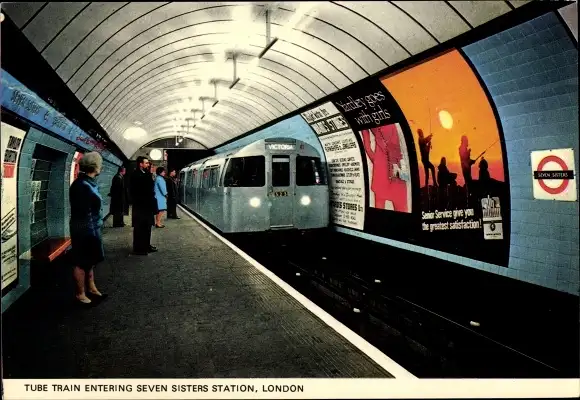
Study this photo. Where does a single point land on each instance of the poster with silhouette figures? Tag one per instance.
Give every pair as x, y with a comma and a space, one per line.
460, 161
344, 163
11, 143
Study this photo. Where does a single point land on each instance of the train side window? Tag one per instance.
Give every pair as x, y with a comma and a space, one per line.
204, 178
246, 172
280, 171
213, 177
309, 171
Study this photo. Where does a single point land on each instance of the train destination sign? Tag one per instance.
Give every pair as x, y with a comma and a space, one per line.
280, 146
553, 175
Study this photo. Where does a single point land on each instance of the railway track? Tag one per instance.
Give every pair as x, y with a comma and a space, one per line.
427, 344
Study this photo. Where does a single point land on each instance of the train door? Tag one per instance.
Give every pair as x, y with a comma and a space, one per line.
281, 193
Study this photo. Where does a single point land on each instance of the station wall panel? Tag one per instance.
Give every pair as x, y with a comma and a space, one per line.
49, 215
46, 160
28, 233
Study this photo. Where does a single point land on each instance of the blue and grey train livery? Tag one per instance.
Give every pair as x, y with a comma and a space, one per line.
271, 184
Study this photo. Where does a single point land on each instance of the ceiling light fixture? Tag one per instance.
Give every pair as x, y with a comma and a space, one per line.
134, 132
236, 79
269, 42
156, 154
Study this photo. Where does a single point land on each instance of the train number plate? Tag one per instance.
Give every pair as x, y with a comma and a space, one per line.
280, 194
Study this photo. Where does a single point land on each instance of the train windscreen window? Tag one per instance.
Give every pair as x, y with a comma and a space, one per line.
309, 171
280, 171
246, 172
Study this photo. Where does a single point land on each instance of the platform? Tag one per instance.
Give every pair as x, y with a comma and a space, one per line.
195, 309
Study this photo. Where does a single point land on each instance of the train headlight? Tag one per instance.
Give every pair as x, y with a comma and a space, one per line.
305, 200
255, 202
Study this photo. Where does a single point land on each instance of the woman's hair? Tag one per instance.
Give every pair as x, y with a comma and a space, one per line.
90, 162
159, 170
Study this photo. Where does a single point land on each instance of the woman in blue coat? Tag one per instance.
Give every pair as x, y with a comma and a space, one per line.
86, 224
160, 196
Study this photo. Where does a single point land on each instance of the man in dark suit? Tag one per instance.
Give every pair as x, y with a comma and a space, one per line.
118, 199
172, 195
144, 209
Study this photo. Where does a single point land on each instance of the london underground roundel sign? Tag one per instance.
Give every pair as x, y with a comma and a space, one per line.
554, 176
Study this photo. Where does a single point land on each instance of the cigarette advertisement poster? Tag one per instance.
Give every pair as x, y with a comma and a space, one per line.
11, 144
344, 161
463, 194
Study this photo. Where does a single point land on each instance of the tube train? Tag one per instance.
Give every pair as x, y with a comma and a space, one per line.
269, 185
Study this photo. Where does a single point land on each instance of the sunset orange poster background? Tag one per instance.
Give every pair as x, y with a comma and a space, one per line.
443, 97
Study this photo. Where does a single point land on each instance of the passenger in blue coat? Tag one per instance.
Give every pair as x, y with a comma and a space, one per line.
86, 223
160, 195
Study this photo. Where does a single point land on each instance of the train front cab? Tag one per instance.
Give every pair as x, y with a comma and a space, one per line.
297, 191
282, 189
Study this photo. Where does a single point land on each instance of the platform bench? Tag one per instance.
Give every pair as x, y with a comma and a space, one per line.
47, 262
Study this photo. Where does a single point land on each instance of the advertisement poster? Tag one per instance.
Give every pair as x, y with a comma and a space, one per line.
375, 117
343, 155
388, 168
460, 160
74, 168
10, 147
491, 217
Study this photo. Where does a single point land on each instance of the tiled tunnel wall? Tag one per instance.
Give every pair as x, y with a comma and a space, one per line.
56, 195
40, 178
531, 71
44, 173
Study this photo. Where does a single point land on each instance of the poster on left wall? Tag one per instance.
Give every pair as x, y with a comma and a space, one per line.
11, 144
74, 168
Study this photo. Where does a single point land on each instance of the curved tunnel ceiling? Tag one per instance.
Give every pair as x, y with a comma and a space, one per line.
148, 64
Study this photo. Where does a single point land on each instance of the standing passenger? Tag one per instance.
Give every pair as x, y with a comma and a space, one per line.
160, 195
118, 199
86, 223
143, 209
172, 195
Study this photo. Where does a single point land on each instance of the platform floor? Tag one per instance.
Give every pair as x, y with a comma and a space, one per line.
195, 309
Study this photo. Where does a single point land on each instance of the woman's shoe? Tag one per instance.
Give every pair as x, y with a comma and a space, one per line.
160, 226
99, 296
85, 303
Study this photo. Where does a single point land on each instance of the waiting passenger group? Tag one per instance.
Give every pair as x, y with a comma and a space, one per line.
151, 195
